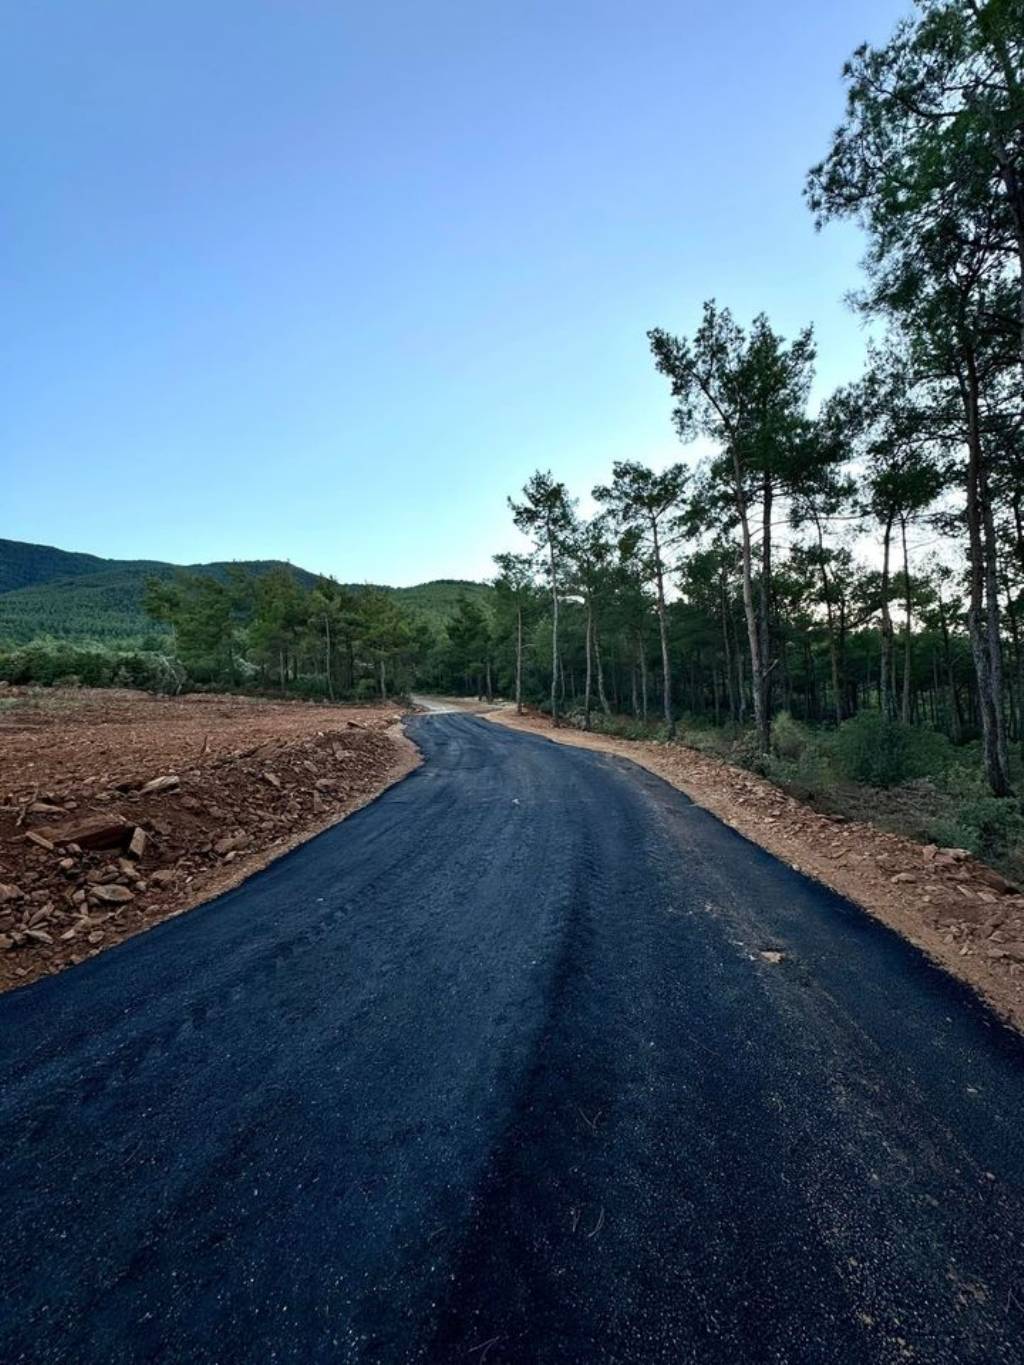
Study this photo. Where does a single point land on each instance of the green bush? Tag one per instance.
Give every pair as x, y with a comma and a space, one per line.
789, 739
991, 827
52, 663
624, 727
877, 752
808, 777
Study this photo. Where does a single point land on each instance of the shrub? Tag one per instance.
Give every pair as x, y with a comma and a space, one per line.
808, 777
625, 727
789, 739
883, 753
991, 827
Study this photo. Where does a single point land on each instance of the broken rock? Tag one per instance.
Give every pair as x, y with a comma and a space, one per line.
169, 783
100, 831
112, 894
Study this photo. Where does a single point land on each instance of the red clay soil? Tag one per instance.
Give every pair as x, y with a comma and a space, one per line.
964, 915
120, 809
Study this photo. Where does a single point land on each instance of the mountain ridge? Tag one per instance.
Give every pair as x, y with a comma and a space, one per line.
71, 595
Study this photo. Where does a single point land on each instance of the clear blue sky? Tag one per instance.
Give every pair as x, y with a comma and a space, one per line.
326, 281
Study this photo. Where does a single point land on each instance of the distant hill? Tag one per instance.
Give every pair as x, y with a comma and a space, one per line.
46, 591
26, 566
438, 600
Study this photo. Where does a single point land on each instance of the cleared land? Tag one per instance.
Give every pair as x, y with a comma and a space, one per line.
120, 808
964, 915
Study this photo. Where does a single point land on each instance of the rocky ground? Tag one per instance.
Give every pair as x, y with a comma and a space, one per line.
118, 809
964, 915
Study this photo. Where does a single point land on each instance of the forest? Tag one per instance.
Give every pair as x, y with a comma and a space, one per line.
836, 593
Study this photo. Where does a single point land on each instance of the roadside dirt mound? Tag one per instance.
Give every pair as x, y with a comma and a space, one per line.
120, 809
964, 915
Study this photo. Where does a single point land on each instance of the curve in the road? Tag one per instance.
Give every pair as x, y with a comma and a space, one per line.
497, 1070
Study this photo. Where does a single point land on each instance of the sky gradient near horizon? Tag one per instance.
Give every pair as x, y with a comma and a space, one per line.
325, 282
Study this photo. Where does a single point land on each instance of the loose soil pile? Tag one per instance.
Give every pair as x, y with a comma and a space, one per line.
965, 916
120, 808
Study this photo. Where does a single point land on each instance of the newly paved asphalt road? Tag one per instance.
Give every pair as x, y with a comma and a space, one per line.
495, 1072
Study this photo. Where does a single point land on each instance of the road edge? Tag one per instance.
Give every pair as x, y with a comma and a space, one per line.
900, 906
408, 757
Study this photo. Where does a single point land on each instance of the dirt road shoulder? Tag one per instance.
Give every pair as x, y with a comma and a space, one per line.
120, 809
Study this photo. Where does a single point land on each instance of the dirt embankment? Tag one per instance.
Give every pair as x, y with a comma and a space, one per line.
119, 809
965, 916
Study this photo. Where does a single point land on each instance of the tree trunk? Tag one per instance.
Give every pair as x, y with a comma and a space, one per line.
666, 679
762, 720
983, 613
330, 681
908, 638
602, 695
730, 681
554, 625
885, 674
833, 653
519, 660
765, 603
589, 637
956, 720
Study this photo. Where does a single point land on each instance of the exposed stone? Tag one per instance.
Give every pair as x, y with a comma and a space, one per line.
168, 783
113, 894
99, 831
994, 880
40, 840
137, 844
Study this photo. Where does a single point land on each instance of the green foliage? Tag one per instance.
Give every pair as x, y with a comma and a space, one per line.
618, 727
990, 827
55, 663
879, 752
790, 739
108, 602
50, 593
436, 602
23, 565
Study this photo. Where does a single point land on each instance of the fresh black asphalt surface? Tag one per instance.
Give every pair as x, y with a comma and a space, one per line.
495, 1071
